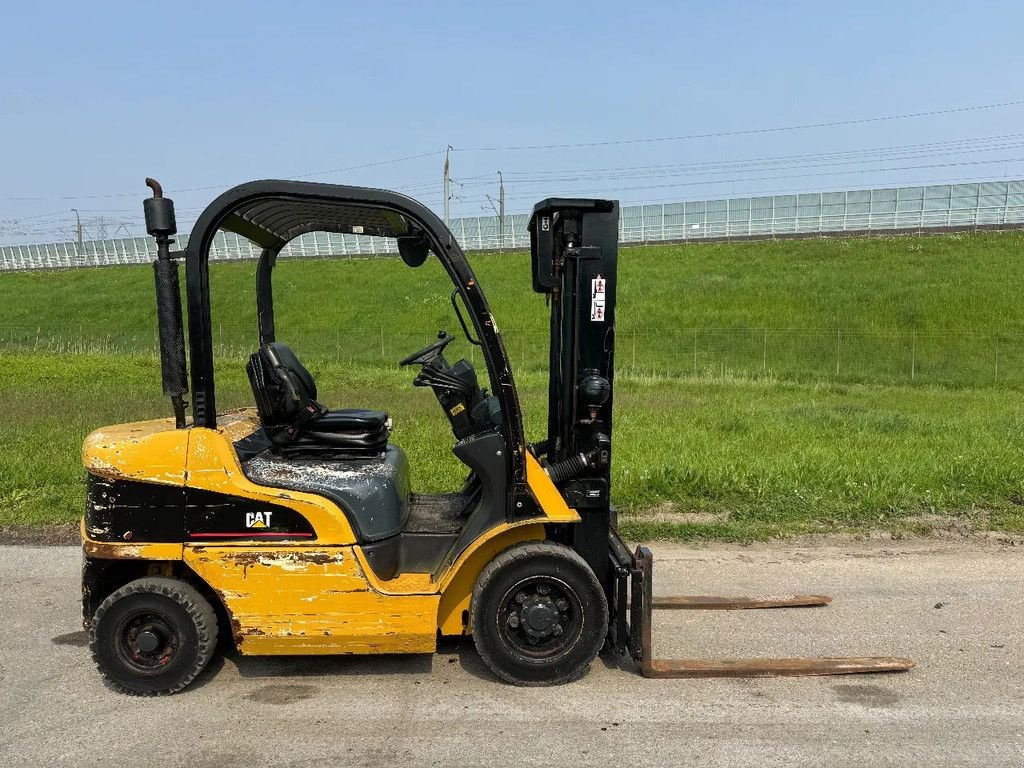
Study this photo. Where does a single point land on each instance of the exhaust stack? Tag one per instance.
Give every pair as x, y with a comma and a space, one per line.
161, 225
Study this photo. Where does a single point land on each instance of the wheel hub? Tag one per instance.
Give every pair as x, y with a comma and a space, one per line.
148, 640
539, 616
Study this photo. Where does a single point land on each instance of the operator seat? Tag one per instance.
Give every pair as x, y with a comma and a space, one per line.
295, 422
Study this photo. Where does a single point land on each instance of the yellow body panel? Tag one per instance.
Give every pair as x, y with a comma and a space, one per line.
546, 494
311, 600
150, 451
457, 584
317, 597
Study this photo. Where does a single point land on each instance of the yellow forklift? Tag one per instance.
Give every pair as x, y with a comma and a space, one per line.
291, 527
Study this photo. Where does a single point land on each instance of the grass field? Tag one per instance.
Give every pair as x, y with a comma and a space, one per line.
731, 448
943, 310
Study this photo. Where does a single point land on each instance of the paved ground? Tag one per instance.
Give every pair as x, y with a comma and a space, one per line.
955, 608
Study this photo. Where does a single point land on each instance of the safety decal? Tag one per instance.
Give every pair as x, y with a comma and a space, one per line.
597, 287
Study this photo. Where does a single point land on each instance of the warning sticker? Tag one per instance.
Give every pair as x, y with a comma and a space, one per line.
597, 294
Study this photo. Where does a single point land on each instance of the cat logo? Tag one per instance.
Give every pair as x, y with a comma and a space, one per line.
459, 408
257, 519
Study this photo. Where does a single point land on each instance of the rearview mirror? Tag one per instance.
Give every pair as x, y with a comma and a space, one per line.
413, 249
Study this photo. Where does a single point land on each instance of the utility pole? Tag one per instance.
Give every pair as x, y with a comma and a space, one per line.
78, 228
447, 187
501, 209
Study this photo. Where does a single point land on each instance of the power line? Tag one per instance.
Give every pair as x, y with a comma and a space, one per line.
746, 131
988, 143
839, 167
618, 189
705, 168
612, 142
711, 175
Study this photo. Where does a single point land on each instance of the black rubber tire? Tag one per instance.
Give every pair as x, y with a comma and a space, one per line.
500, 579
178, 607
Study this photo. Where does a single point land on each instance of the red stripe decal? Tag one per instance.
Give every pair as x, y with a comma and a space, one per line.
248, 535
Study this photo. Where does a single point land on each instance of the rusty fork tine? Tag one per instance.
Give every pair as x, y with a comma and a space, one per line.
691, 668
641, 637
716, 603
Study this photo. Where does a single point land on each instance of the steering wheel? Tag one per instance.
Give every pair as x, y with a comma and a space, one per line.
428, 353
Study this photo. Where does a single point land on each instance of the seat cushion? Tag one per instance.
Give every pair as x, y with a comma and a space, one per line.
350, 420
352, 431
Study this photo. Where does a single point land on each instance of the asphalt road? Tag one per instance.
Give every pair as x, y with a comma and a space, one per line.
954, 607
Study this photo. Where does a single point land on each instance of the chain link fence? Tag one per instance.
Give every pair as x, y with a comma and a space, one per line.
985, 204
799, 355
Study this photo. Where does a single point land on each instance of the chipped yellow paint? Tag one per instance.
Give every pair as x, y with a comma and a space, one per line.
213, 466
126, 550
402, 584
239, 423
457, 584
546, 494
153, 451
311, 600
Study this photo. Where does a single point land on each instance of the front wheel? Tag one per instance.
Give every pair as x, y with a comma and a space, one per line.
153, 636
539, 615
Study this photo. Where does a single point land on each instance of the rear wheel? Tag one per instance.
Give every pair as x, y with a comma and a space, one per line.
153, 636
539, 615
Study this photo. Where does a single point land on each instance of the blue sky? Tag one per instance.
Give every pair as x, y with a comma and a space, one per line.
95, 96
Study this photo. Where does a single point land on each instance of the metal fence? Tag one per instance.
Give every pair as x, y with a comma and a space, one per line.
987, 204
784, 354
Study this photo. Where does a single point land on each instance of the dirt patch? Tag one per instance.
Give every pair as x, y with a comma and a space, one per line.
56, 534
667, 512
282, 694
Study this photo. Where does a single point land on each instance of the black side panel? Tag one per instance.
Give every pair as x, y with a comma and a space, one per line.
384, 557
424, 552
212, 516
408, 553
100, 577
128, 510
484, 455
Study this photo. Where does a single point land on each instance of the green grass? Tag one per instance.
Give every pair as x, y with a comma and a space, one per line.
732, 420
720, 459
936, 310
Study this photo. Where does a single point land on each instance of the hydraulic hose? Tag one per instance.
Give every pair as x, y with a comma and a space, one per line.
574, 466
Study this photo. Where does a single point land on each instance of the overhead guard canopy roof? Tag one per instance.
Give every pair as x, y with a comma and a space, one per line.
280, 211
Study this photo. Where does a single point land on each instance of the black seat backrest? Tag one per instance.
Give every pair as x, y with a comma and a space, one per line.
281, 384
